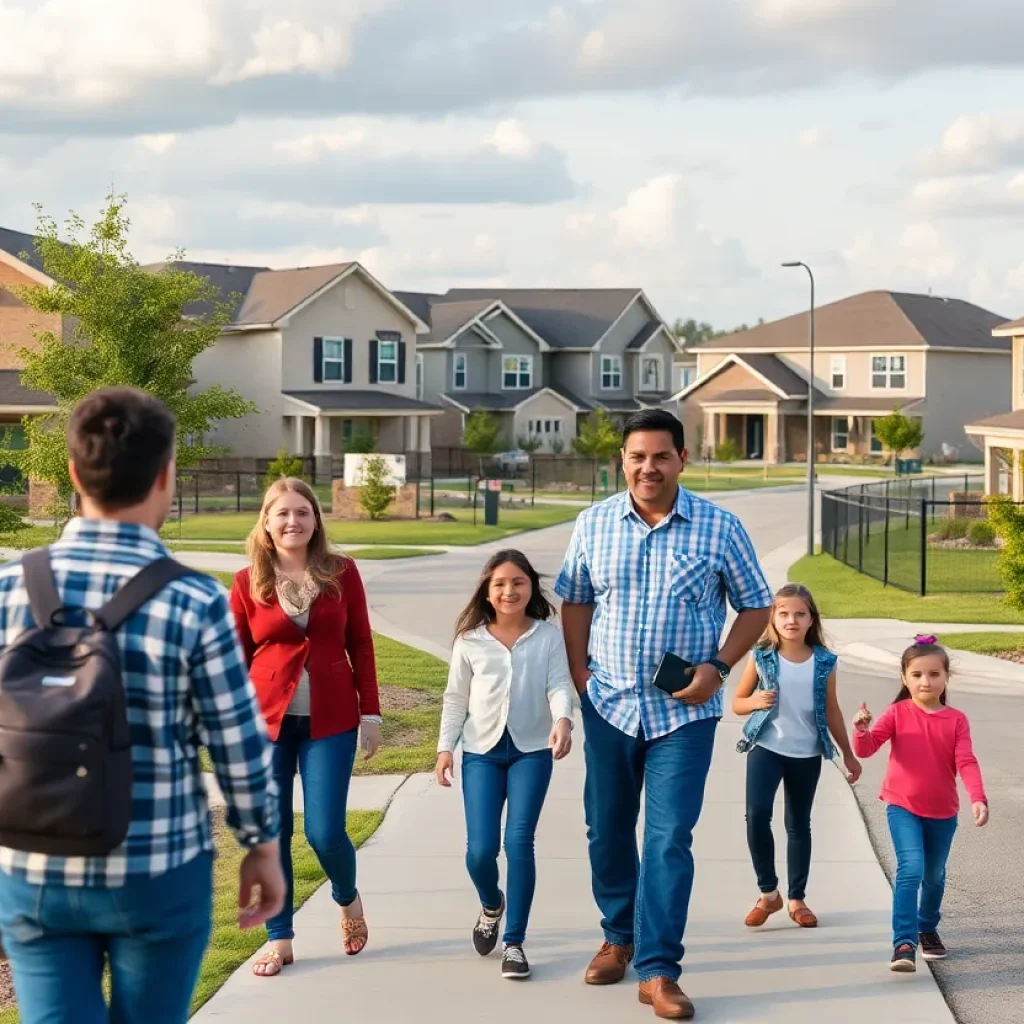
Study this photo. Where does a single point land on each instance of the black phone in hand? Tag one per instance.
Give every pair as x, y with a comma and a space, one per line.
674, 673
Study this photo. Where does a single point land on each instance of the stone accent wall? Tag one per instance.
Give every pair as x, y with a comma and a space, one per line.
345, 502
41, 498
968, 505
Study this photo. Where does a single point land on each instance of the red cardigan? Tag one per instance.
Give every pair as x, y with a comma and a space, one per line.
336, 648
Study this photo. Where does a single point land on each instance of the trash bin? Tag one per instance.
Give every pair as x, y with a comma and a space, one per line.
491, 507
604, 479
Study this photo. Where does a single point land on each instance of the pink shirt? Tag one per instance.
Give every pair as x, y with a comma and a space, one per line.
928, 750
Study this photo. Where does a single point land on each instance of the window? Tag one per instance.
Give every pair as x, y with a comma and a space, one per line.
459, 371
517, 373
611, 373
419, 375
877, 448
838, 373
545, 428
889, 372
387, 362
346, 431
687, 374
334, 359
840, 433
650, 373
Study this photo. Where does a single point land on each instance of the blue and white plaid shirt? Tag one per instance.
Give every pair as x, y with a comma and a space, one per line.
655, 590
186, 684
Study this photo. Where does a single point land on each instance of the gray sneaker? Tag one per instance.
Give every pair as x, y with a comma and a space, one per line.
514, 964
485, 932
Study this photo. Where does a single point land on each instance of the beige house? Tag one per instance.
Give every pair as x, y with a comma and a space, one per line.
934, 359
1001, 437
323, 352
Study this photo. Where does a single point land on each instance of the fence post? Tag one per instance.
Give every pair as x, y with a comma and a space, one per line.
533, 482
860, 534
924, 547
431, 494
196, 478
238, 492
418, 493
885, 550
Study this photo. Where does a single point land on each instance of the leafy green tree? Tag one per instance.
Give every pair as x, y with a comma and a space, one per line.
557, 445
899, 433
693, 332
362, 442
530, 443
1008, 520
284, 465
598, 437
482, 436
122, 326
11, 521
375, 493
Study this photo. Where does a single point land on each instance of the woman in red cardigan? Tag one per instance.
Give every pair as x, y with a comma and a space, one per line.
302, 618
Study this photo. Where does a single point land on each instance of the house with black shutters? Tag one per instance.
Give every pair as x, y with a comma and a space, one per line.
323, 353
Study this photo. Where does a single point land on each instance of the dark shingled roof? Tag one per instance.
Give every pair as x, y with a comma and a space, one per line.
343, 400
18, 243
13, 392
1005, 421
876, 320
228, 280
775, 370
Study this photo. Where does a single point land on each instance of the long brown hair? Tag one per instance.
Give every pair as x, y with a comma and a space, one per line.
770, 639
480, 611
921, 648
322, 564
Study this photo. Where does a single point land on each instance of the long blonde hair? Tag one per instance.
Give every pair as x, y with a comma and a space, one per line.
322, 564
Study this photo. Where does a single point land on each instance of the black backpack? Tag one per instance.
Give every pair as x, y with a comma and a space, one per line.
65, 743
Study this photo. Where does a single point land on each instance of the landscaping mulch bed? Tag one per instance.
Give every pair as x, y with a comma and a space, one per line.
400, 698
1017, 656
6, 986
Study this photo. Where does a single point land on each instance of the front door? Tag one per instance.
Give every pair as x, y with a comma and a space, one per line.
755, 437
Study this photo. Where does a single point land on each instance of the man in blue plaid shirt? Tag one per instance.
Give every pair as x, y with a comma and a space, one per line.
647, 573
146, 907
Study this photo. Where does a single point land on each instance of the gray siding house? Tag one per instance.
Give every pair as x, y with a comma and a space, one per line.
540, 359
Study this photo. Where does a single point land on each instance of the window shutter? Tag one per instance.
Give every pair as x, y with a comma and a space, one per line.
401, 362
348, 361
373, 360
318, 360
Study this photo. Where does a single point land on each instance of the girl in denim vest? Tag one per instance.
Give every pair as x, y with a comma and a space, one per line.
788, 689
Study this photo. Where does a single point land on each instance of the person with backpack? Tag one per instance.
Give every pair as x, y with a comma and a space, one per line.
116, 665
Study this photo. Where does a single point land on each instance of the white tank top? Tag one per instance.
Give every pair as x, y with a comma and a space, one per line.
792, 730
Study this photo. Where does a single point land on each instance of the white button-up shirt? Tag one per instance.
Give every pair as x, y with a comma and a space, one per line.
526, 689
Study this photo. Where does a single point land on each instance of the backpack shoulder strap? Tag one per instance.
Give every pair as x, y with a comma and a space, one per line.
43, 598
146, 583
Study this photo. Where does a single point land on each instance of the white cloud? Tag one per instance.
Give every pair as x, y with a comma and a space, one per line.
976, 196
811, 138
511, 139
647, 220
916, 257
158, 143
286, 47
978, 142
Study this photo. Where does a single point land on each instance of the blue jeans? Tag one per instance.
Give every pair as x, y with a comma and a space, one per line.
644, 900
504, 774
325, 766
153, 931
922, 848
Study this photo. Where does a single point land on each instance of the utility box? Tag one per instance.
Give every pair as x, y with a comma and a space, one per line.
491, 497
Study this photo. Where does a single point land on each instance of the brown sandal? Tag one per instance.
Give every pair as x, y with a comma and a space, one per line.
761, 913
272, 961
803, 917
354, 935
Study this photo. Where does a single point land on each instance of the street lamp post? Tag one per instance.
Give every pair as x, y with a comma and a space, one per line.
810, 419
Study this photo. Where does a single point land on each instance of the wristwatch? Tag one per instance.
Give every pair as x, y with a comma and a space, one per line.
723, 669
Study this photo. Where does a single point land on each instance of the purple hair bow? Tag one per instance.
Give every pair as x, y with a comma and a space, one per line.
923, 638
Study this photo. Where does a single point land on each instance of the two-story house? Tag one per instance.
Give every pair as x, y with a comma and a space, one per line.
1001, 437
322, 352
539, 359
935, 359
20, 267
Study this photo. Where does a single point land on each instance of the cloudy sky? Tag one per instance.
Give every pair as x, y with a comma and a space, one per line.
683, 146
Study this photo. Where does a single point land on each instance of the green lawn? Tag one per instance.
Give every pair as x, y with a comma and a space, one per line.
229, 947
844, 593
386, 553
399, 533
984, 643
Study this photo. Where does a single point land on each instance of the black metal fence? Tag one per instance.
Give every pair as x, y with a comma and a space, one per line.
926, 535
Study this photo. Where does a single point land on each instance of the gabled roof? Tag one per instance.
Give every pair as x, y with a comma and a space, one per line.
19, 249
1005, 421
447, 319
563, 317
345, 400
226, 278
506, 401
273, 294
1012, 329
878, 319
770, 370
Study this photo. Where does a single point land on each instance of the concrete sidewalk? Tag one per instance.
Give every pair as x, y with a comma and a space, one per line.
421, 909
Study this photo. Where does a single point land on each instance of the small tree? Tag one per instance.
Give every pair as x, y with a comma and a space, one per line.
1008, 519
599, 439
728, 451
530, 443
122, 326
375, 493
557, 445
283, 465
362, 442
898, 433
11, 521
482, 436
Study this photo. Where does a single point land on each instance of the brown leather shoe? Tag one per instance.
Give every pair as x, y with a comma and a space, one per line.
763, 909
609, 966
666, 998
804, 917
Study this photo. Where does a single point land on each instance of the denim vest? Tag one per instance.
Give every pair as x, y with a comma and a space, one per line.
767, 662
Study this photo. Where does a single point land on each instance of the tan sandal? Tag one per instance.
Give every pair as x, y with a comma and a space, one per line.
804, 917
272, 962
762, 912
354, 935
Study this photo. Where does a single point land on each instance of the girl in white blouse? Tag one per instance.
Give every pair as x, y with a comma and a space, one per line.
509, 699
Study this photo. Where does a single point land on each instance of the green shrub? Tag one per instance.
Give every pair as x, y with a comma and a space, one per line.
728, 451
1008, 519
282, 466
981, 533
375, 493
952, 529
10, 520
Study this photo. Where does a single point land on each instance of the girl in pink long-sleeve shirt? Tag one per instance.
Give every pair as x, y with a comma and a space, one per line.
930, 744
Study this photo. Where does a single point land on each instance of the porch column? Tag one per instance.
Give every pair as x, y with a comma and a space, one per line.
424, 434
299, 436
412, 433
771, 437
322, 446
1017, 476
710, 442
991, 470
